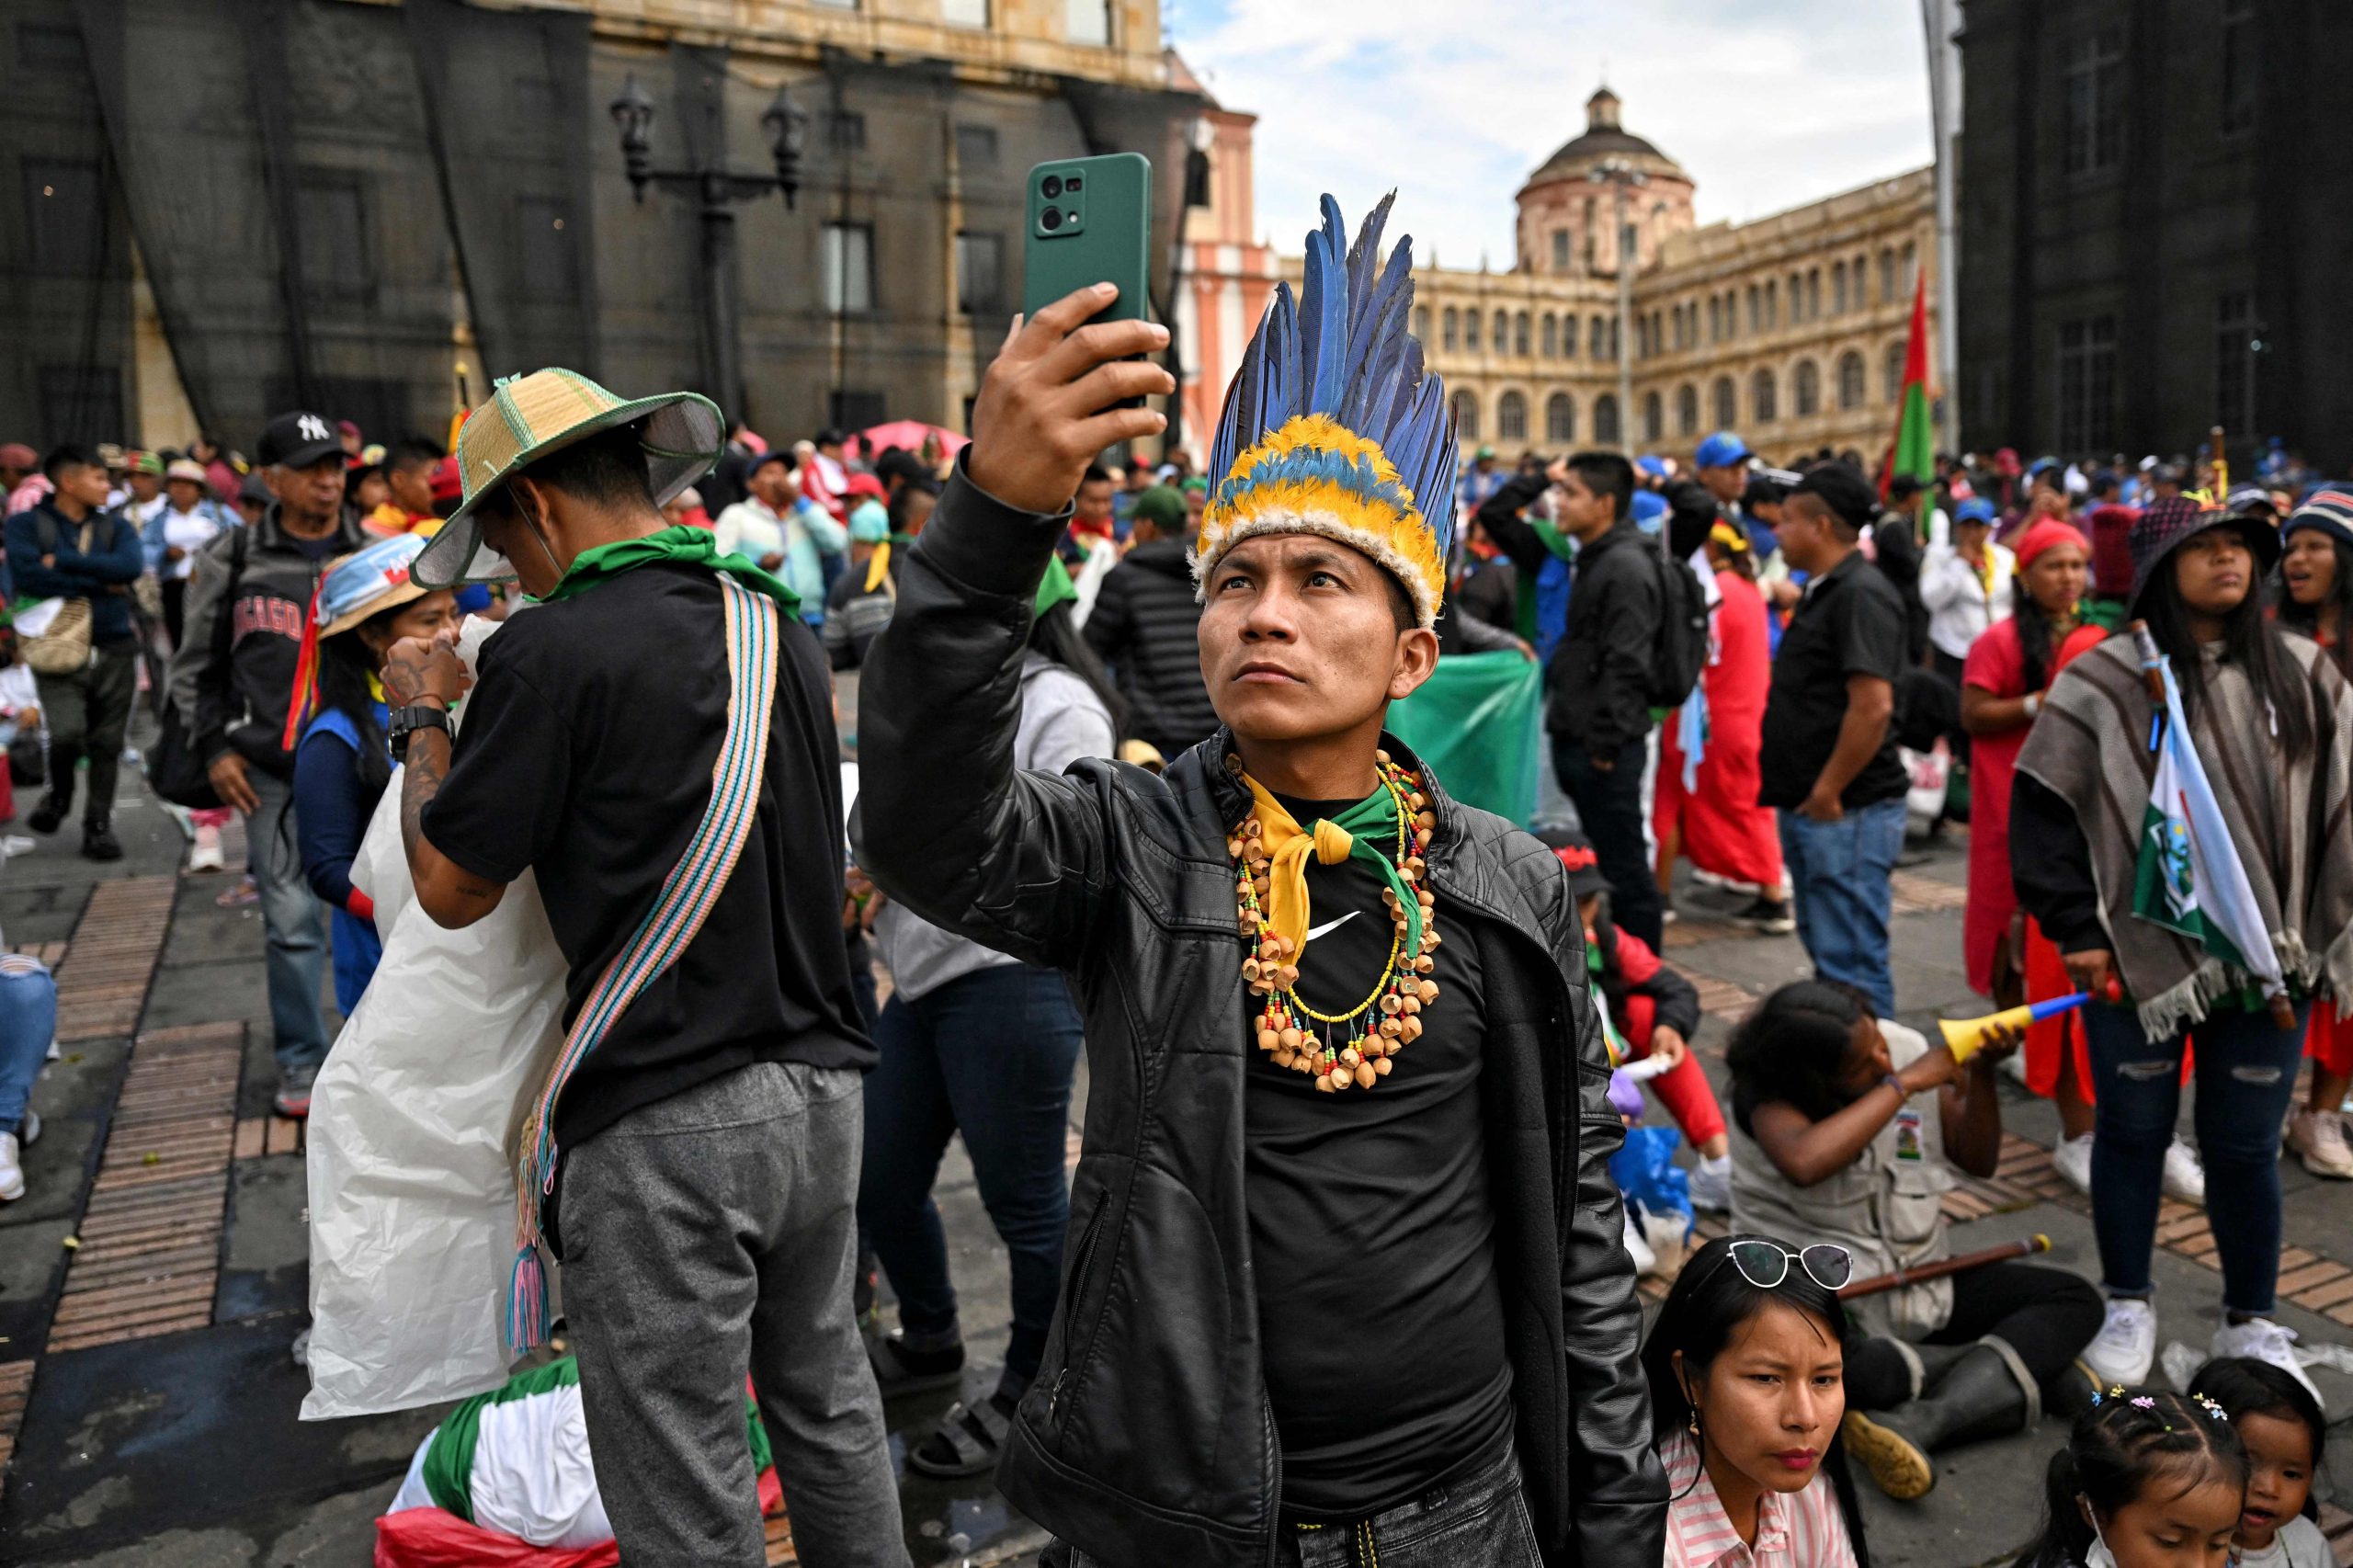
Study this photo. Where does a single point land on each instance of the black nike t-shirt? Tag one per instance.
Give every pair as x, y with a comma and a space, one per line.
1371, 1230
585, 755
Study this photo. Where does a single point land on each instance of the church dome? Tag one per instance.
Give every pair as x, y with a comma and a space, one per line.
1604, 138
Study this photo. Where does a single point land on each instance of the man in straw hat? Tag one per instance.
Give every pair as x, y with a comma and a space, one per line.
1347, 1277
705, 1110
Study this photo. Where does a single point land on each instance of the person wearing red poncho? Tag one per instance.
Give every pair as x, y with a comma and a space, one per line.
1714, 818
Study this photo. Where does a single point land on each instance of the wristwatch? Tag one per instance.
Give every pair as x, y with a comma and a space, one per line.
406, 722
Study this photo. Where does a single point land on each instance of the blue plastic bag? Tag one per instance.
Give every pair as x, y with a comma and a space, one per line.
1646, 1173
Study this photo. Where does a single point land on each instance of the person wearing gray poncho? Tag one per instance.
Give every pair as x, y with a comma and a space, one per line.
2271, 720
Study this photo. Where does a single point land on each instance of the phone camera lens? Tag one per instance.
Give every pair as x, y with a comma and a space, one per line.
1051, 218
1052, 186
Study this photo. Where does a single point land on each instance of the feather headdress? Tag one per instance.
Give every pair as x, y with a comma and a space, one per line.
1332, 428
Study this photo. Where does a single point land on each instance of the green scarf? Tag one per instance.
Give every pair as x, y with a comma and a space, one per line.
696, 546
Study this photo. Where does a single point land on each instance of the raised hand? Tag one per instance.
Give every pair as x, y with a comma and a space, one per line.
1046, 406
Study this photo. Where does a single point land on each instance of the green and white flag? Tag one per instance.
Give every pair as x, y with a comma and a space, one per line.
2188, 878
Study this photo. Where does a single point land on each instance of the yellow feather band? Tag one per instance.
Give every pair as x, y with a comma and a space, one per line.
1324, 479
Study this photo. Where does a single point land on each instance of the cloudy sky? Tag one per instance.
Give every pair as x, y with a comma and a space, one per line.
1766, 103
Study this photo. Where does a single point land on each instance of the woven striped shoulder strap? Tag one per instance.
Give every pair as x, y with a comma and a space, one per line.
688, 893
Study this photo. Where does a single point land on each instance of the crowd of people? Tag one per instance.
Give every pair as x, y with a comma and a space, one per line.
1327, 1285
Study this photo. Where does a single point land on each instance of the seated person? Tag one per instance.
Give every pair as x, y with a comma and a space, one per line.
1746, 1367
1832, 1145
1655, 1011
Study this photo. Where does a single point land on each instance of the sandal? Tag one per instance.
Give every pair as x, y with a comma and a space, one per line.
966, 1443
899, 1370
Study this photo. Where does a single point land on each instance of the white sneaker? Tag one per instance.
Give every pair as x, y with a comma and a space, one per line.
2126, 1344
1636, 1248
2264, 1340
205, 856
2318, 1137
2185, 1177
1711, 1184
12, 1168
2074, 1160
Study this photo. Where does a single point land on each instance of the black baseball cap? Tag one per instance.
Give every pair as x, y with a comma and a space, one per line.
298, 441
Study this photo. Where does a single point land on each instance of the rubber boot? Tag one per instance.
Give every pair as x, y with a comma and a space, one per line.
1979, 1397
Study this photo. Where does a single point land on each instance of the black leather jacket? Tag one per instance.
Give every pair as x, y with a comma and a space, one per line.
1147, 1440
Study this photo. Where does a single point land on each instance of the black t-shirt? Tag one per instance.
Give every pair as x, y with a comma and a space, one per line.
585, 755
1372, 1231
1850, 622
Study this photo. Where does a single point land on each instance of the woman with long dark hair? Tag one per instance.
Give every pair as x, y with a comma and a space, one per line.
977, 1043
2003, 683
2316, 598
1746, 1365
366, 603
2271, 720
1846, 1130
2147, 1479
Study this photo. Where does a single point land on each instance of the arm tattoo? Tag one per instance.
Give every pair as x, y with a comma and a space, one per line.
428, 764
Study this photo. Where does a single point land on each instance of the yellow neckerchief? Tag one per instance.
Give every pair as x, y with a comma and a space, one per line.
878, 566
1287, 847
375, 689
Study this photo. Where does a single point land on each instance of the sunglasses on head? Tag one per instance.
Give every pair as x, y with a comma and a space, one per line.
1764, 1264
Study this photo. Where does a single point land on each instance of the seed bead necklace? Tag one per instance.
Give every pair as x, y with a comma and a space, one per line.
1285, 1025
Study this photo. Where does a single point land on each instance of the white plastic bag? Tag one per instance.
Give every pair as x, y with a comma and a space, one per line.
1931, 773
412, 1174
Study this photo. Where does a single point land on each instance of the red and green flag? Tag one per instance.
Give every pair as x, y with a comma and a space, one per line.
1916, 444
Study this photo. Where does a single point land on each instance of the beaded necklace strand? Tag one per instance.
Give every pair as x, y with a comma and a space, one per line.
1285, 1024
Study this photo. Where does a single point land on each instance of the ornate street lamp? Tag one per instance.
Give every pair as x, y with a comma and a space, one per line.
717, 189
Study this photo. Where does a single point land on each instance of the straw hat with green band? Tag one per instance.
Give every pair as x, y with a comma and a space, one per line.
529, 417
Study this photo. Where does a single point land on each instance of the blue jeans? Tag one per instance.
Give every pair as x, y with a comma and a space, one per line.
294, 926
1609, 810
2246, 1076
990, 1055
28, 1023
1838, 871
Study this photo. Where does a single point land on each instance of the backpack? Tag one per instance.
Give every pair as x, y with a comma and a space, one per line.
1680, 651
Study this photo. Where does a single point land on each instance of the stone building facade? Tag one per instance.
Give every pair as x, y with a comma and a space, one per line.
231, 207
1790, 329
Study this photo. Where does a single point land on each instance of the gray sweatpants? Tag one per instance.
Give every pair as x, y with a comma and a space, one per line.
704, 1236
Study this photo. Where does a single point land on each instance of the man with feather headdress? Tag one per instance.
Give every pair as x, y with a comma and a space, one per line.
1345, 1278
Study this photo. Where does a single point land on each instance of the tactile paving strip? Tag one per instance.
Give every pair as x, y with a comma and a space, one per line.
102, 982
150, 1240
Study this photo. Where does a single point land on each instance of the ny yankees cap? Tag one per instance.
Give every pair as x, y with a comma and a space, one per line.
298, 440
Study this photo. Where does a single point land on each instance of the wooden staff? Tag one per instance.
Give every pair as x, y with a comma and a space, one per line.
1879, 1283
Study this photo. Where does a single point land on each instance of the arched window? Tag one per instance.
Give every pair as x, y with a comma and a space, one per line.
1605, 421
1519, 334
1452, 327
1851, 390
1686, 410
1651, 419
1422, 322
1762, 400
1466, 414
1895, 371
1805, 391
1723, 403
1511, 418
1552, 334
1471, 320
1501, 340
1887, 284
1560, 418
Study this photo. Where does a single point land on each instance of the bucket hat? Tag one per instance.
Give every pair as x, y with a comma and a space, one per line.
2165, 524
368, 582
528, 417
189, 470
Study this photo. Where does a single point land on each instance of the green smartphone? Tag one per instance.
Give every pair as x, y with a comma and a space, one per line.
1090, 222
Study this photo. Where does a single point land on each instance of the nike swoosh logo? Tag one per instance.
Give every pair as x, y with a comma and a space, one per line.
1316, 931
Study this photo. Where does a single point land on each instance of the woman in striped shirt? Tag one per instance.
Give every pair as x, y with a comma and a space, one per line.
1746, 1369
